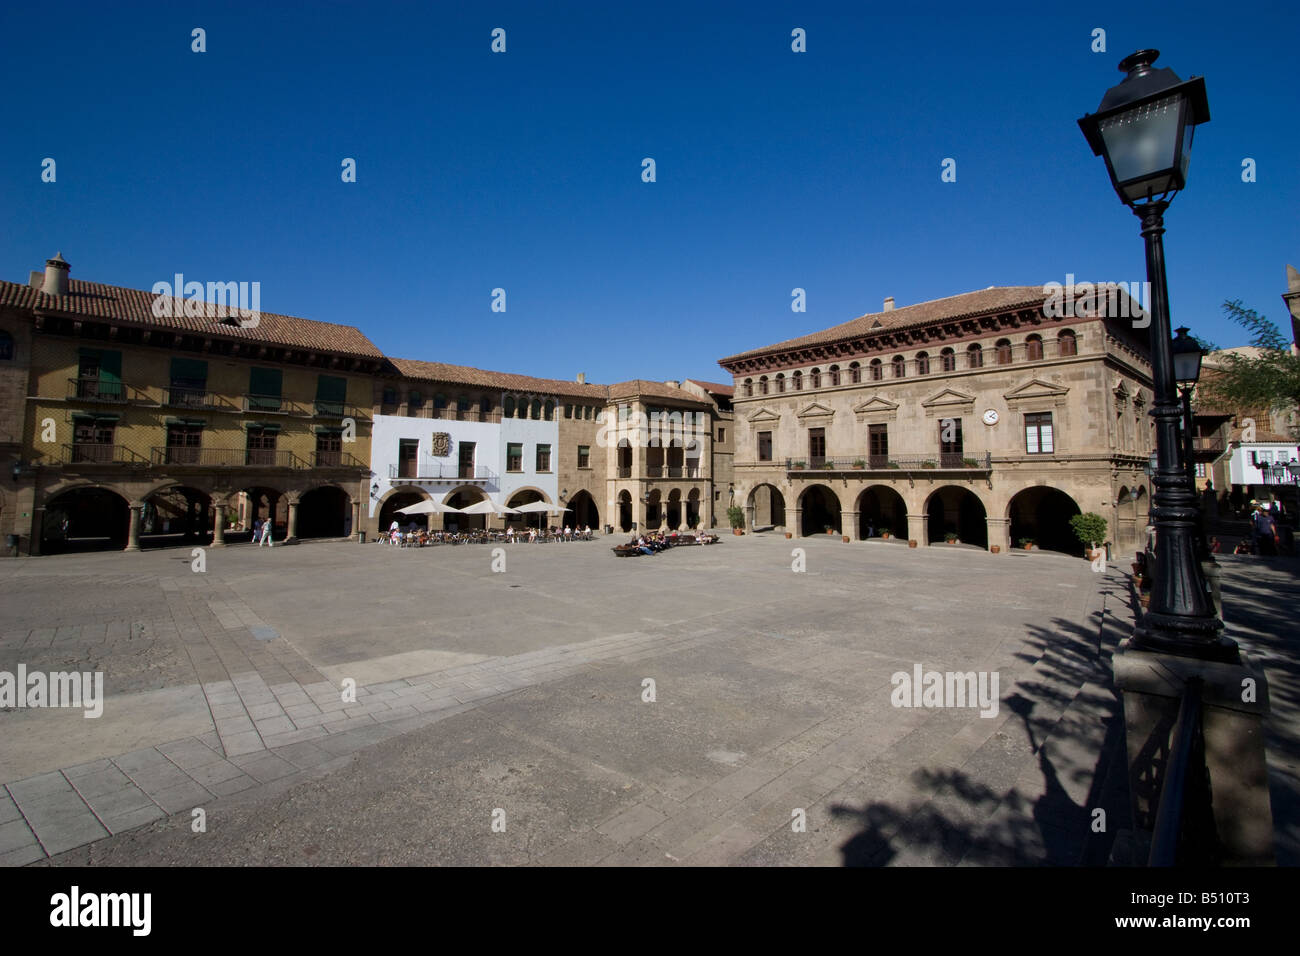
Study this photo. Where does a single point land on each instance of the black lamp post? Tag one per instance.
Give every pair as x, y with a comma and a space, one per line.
1143, 128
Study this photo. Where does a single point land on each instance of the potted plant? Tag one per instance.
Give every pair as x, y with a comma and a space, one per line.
1090, 529
860, 464
736, 518
969, 463
929, 464
886, 534
1027, 543
951, 537
891, 464
828, 529
797, 465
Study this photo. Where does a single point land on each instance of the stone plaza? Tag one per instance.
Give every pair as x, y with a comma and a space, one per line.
707, 705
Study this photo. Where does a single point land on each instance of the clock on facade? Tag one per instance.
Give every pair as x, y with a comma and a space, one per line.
991, 417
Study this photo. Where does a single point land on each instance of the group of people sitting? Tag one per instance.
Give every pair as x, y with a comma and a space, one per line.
651, 542
414, 536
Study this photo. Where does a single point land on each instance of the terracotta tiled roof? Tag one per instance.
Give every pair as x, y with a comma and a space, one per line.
953, 307
1262, 435
717, 388
648, 389
94, 300
505, 381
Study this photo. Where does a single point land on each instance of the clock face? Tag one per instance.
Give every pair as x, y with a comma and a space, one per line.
991, 417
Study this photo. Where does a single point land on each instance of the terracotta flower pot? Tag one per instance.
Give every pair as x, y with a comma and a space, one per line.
789, 534
737, 531
846, 539
911, 543
996, 549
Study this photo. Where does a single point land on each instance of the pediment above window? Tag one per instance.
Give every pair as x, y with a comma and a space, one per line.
816, 411
947, 401
1038, 391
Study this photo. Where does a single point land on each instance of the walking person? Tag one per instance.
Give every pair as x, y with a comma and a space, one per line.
257, 532
266, 534
1265, 529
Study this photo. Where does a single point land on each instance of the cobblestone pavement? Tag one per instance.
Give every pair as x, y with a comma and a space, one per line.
520, 699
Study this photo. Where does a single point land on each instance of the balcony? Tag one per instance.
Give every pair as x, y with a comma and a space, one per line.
339, 410
113, 393
95, 453
435, 470
1208, 447
195, 398
335, 459
185, 457
946, 461
273, 405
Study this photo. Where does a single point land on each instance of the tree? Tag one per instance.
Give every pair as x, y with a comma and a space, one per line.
1270, 380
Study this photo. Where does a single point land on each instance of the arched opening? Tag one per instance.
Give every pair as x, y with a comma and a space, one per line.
529, 519
389, 510
264, 503
922, 363
821, 510
1034, 348
766, 507
959, 511
654, 512
463, 498
674, 508
582, 511
974, 356
624, 511
693, 509
324, 512
175, 516
881, 509
1043, 514
948, 360
1066, 343
85, 519
876, 370
1002, 351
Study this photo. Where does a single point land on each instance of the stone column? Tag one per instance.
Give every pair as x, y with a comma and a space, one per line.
916, 529
849, 524
133, 530
219, 526
797, 530
356, 521
999, 533
291, 535
1152, 686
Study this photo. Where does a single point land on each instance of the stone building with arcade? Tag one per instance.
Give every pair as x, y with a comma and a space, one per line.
182, 424
987, 418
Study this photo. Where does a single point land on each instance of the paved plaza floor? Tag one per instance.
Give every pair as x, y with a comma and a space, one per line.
705, 705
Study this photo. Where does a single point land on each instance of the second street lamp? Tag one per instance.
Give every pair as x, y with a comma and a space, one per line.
1143, 128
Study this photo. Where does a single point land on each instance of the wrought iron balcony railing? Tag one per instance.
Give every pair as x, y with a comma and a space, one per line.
945, 461
335, 459
184, 456
98, 453
98, 390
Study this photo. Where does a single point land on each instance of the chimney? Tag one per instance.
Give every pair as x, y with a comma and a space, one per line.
889, 304
582, 378
673, 383
56, 275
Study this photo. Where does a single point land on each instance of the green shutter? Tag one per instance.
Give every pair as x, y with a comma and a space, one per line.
264, 381
329, 388
193, 372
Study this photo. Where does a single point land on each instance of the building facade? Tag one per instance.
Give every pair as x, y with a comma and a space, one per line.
987, 418
140, 422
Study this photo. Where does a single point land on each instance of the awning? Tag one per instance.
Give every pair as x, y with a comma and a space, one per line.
264, 426
95, 417
188, 422
328, 429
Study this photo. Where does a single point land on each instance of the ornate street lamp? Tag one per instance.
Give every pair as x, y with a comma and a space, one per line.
1187, 369
1143, 129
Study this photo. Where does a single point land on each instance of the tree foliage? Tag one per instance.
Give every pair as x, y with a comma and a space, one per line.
1271, 380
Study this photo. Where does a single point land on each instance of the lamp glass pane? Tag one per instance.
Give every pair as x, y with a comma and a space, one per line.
1142, 142
1187, 366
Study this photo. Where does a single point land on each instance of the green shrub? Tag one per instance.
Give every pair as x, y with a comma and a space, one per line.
736, 516
1089, 528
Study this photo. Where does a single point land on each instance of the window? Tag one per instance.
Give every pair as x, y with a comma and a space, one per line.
855, 373
722, 435
331, 394
329, 448
99, 375
536, 410
568, 411
584, 456
264, 389
183, 441
816, 375
1034, 348
749, 387
260, 445
780, 384
189, 381
515, 456
974, 357
922, 363
878, 445
414, 401
877, 370
508, 407
92, 440
950, 445
1200, 469
816, 447
408, 450
550, 410
1002, 350
440, 400
835, 375
900, 367
1038, 433
389, 397
948, 360
543, 457
1066, 344
764, 446
798, 381
485, 406
462, 403
6, 346
762, 385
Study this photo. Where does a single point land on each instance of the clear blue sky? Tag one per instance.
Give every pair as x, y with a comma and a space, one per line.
522, 170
